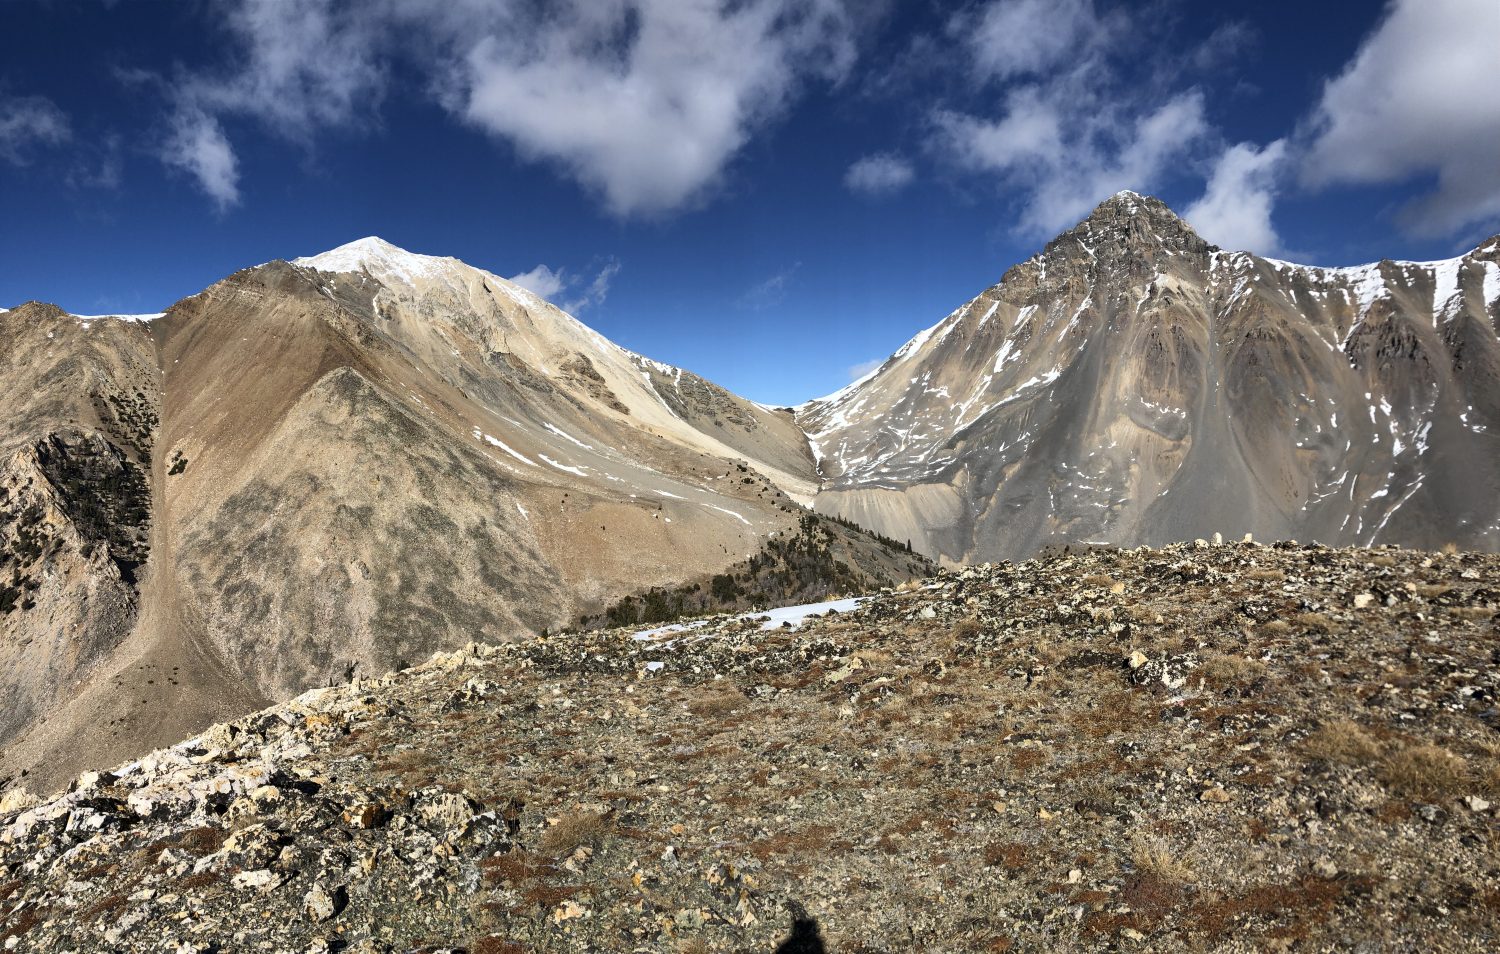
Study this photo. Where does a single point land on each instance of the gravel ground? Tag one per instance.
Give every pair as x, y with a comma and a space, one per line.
1205, 747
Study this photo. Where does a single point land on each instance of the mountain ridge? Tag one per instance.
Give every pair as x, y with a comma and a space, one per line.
1175, 324
331, 465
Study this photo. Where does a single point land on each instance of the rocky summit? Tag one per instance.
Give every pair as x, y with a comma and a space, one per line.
1203, 747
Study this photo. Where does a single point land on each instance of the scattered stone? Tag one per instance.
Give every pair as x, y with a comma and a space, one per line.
322, 903
260, 880
1052, 755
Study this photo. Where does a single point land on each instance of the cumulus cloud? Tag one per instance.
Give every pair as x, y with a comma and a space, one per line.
1235, 209
571, 294
1071, 127
1418, 100
541, 281
196, 145
879, 174
644, 102
27, 122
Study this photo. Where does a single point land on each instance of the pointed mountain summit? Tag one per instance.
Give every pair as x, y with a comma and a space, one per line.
1133, 384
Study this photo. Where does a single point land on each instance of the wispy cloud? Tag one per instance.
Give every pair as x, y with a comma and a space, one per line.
573, 295
858, 371
196, 144
593, 293
1418, 101
879, 174
1072, 127
770, 292
28, 123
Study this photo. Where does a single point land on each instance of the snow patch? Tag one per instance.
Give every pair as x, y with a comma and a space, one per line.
497, 442
562, 467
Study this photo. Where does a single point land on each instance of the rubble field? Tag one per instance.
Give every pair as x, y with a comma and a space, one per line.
1203, 747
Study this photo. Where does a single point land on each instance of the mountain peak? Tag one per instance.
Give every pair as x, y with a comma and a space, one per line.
1126, 204
1127, 222
378, 257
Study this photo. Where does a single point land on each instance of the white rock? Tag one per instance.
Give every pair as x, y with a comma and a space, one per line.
17, 799
262, 879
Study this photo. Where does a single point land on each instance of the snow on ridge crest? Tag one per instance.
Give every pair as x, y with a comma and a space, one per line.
379, 257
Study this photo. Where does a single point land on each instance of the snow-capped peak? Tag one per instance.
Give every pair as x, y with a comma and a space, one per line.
378, 257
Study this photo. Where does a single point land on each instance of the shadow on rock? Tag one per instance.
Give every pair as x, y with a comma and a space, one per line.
805, 938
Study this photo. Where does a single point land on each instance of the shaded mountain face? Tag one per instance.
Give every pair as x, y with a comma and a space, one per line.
335, 466
1134, 385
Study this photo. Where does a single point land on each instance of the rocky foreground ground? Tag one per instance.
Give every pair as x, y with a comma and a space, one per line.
1226, 747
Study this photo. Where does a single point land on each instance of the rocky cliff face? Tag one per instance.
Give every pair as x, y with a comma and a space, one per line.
1198, 748
1132, 384
332, 467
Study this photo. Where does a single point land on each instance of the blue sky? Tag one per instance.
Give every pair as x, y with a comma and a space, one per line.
768, 192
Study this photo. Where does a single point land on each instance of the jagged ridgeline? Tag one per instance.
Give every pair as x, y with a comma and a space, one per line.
326, 468
1133, 384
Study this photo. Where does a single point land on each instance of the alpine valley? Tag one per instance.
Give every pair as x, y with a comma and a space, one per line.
332, 467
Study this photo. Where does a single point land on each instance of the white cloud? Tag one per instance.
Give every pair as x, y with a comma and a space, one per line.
554, 284
541, 281
27, 122
864, 367
879, 174
1066, 160
771, 291
592, 295
1016, 37
1072, 128
196, 145
1418, 100
1235, 210
644, 102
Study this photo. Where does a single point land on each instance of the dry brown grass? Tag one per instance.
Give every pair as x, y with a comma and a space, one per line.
1265, 575
1472, 612
714, 702
1155, 858
1342, 741
1232, 672
1424, 770
967, 628
1098, 579
573, 831
1407, 767
1314, 622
